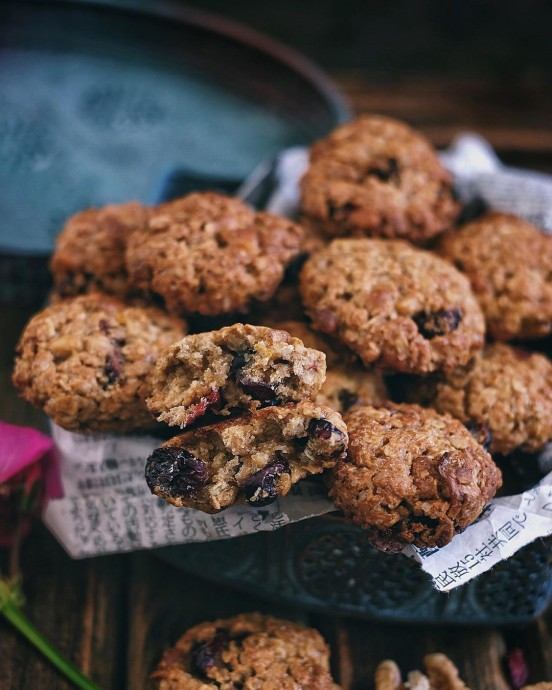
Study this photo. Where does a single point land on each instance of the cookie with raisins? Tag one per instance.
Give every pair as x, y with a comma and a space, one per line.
255, 458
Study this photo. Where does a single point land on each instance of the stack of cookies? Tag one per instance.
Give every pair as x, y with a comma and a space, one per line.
270, 343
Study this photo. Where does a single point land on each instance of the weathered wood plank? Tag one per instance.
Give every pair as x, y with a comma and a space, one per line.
79, 606
513, 116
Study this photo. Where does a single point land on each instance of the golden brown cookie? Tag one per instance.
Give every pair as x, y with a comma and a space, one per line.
377, 177
90, 250
250, 651
505, 389
411, 476
255, 458
348, 383
241, 367
396, 306
87, 361
509, 264
211, 254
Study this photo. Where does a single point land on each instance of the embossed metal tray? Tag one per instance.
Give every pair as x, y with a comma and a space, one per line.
325, 564
103, 102
328, 565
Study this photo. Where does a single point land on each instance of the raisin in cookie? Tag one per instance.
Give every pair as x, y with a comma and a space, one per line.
396, 306
509, 264
211, 254
347, 382
90, 250
378, 177
239, 367
505, 389
250, 651
412, 476
256, 457
87, 361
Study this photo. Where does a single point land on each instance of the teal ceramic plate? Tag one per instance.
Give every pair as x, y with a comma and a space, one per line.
102, 103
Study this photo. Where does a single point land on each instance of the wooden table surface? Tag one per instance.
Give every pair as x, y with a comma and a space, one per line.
113, 616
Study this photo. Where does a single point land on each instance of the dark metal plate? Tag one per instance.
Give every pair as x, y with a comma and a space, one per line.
324, 564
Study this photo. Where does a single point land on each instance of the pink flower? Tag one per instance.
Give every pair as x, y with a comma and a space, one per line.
19, 447
27, 474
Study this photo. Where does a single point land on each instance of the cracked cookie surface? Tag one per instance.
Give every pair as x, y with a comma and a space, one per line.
348, 383
509, 264
506, 389
238, 367
254, 458
396, 306
377, 177
211, 254
87, 361
411, 476
90, 250
249, 651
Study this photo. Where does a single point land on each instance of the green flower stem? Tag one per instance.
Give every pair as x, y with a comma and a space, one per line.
10, 598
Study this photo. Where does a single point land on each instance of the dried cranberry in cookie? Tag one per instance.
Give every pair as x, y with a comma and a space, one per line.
87, 361
377, 177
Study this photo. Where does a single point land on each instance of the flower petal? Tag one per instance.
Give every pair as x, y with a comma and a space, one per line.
19, 447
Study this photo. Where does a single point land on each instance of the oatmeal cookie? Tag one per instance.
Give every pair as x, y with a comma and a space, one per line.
249, 651
239, 367
211, 254
504, 389
396, 306
90, 250
538, 686
87, 361
347, 382
509, 264
377, 177
256, 457
412, 476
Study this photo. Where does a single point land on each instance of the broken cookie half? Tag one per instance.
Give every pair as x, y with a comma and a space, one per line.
238, 368
254, 458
